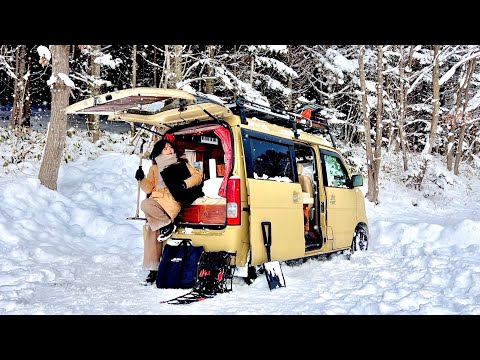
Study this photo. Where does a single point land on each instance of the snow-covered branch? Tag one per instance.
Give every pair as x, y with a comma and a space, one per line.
452, 70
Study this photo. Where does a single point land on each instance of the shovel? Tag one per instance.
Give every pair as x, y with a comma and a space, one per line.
273, 270
136, 217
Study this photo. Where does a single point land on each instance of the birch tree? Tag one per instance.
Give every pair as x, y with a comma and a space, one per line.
176, 66
403, 103
252, 67
366, 122
155, 67
290, 79
134, 67
18, 115
133, 83
379, 128
57, 129
435, 102
27, 111
93, 120
166, 69
209, 81
464, 116
453, 118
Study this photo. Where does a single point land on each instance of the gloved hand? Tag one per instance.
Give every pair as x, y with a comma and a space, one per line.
139, 175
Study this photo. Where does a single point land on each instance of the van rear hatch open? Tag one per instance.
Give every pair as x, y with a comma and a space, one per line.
151, 106
205, 140
208, 147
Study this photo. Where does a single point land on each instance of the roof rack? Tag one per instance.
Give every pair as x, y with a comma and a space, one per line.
311, 124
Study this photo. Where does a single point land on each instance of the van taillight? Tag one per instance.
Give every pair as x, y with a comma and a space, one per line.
233, 201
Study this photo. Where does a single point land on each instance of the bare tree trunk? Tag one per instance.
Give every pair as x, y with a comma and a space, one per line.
390, 130
235, 70
458, 116
458, 156
453, 127
435, 102
166, 71
392, 136
349, 129
134, 81
290, 79
450, 143
379, 126
252, 68
93, 121
19, 88
330, 82
410, 57
28, 89
402, 99
476, 143
134, 66
155, 67
403, 104
177, 67
366, 121
209, 80
57, 128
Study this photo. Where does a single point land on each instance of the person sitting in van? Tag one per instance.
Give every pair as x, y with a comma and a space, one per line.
161, 208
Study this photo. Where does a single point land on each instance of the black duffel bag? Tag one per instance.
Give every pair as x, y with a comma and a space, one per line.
178, 266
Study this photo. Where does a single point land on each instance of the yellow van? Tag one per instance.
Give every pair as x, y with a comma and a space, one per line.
260, 166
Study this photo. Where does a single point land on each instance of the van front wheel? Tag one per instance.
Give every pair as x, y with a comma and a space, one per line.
360, 239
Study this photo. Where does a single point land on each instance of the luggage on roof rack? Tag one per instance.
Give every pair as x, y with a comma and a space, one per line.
307, 120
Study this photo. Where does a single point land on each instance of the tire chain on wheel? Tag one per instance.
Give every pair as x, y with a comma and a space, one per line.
357, 242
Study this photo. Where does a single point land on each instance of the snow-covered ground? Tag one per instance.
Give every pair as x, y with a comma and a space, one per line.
72, 251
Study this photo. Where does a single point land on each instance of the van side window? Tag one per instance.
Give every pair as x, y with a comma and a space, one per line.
336, 175
270, 161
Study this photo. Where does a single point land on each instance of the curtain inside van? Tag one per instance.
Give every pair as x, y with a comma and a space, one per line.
224, 136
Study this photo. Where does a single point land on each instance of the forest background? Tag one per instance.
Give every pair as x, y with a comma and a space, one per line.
416, 100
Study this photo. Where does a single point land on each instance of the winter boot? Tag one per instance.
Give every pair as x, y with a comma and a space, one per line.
152, 277
166, 232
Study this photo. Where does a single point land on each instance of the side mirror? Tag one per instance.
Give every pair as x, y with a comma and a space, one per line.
357, 180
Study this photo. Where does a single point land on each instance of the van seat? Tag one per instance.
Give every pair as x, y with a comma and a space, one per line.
305, 183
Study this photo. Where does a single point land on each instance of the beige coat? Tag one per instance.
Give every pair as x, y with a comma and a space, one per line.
163, 196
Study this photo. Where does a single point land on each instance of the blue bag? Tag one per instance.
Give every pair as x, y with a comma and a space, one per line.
178, 266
